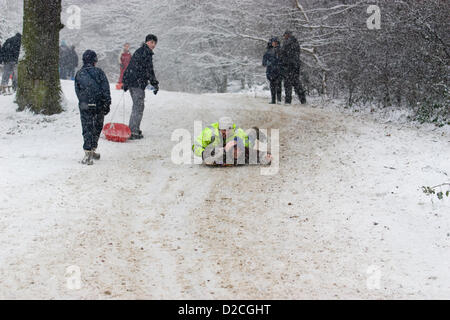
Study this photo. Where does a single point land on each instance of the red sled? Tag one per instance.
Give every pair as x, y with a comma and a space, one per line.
117, 132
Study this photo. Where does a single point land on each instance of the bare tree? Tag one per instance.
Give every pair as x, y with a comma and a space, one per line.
406, 62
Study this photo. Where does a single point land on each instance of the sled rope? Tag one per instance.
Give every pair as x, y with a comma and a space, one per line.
122, 99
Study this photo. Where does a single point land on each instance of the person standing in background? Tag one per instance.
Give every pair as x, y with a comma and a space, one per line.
64, 61
290, 59
73, 63
10, 57
124, 61
1, 62
271, 61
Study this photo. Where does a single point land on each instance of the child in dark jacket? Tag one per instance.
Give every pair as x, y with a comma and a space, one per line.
92, 89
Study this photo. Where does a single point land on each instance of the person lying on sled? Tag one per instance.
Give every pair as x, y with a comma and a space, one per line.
222, 143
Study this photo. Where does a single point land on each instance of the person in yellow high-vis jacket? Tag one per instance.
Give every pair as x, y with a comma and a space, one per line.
223, 143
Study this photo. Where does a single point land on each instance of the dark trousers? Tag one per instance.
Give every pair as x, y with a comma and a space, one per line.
275, 89
92, 124
72, 74
10, 68
64, 73
292, 79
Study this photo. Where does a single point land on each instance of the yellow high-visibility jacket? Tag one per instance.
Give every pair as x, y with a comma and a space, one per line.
206, 138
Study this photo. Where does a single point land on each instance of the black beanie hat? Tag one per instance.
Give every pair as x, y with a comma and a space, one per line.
89, 57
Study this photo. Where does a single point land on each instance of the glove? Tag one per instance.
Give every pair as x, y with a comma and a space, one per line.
106, 109
155, 85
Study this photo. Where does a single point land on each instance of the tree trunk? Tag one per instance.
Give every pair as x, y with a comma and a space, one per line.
38, 84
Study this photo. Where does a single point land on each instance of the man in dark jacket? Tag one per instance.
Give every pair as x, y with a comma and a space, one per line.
271, 60
92, 88
64, 61
136, 78
10, 57
73, 62
1, 67
290, 59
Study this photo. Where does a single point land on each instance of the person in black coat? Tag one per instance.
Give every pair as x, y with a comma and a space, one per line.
73, 62
10, 57
92, 89
136, 78
1, 62
11, 49
290, 58
271, 60
64, 61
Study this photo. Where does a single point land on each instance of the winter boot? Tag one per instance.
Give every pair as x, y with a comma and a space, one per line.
303, 100
136, 136
95, 156
273, 100
87, 158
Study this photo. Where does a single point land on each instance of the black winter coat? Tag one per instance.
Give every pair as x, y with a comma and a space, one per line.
11, 49
73, 61
290, 55
140, 70
92, 86
272, 61
65, 57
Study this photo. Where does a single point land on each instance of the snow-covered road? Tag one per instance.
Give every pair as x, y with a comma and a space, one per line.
344, 217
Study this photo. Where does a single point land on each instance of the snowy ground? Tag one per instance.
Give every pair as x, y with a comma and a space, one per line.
345, 216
